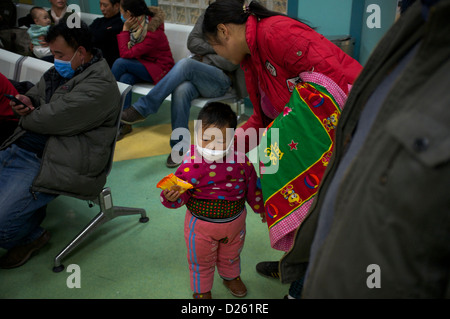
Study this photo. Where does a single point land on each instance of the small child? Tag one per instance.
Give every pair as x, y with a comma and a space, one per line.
38, 30
222, 179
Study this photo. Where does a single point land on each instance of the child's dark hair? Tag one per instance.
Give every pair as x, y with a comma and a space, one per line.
136, 7
235, 12
34, 10
218, 114
74, 37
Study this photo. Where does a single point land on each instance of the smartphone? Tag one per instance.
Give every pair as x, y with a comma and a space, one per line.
13, 98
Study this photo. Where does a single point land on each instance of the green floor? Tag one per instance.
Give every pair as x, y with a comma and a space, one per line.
125, 258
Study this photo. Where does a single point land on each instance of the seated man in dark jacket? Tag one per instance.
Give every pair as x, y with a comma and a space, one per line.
106, 29
63, 142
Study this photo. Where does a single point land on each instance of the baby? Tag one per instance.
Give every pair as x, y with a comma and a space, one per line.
38, 30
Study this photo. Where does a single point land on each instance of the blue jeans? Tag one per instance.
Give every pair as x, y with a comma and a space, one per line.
130, 71
19, 216
186, 81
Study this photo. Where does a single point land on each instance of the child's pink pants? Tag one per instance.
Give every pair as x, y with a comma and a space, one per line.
213, 244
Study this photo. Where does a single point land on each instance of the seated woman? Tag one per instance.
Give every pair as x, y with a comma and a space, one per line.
145, 54
106, 28
58, 10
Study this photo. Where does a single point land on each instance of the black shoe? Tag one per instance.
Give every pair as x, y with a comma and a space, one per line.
124, 129
131, 116
268, 269
170, 163
19, 255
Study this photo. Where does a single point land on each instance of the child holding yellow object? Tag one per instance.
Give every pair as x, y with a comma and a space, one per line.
223, 180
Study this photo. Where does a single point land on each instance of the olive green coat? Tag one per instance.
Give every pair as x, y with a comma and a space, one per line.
393, 204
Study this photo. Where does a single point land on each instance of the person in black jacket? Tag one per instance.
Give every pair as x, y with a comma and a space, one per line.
8, 14
105, 30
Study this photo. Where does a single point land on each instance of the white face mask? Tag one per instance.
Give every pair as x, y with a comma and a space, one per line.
213, 155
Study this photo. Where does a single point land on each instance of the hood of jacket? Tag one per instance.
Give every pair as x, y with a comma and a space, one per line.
157, 20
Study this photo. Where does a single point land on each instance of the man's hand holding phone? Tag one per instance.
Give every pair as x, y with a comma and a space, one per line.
21, 104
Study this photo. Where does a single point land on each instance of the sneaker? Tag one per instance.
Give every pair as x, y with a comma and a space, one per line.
268, 269
205, 295
19, 255
170, 163
236, 287
124, 129
131, 116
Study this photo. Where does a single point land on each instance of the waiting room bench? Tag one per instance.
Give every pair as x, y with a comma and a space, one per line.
177, 35
24, 68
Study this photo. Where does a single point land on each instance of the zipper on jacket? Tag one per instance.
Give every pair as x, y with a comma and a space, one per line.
33, 193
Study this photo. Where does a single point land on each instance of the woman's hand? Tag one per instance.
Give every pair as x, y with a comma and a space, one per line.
22, 109
129, 24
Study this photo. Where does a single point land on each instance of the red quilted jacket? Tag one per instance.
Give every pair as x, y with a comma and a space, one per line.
153, 52
281, 48
6, 87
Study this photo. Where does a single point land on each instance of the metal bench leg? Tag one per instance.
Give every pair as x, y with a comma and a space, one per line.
107, 213
98, 220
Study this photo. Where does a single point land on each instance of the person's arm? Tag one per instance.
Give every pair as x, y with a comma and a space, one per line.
247, 136
173, 199
196, 43
145, 47
78, 110
198, 46
254, 195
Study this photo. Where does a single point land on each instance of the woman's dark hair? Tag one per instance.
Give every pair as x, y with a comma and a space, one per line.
136, 7
235, 12
218, 114
74, 36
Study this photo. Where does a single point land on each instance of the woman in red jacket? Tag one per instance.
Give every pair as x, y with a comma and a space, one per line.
275, 52
145, 54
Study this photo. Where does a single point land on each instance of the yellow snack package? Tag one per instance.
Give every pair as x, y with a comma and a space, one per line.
172, 182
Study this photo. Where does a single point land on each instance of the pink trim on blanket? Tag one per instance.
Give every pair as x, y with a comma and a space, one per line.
331, 86
282, 234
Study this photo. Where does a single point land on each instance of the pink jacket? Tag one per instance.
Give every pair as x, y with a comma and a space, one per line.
282, 48
153, 52
232, 180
